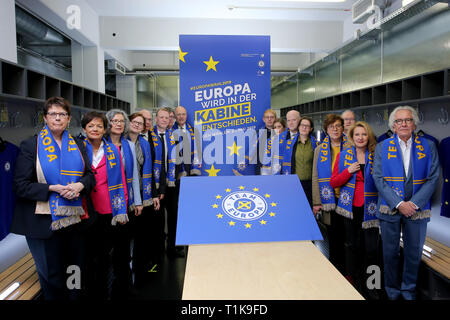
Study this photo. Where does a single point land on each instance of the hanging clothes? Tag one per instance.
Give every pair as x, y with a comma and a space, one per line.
8, 155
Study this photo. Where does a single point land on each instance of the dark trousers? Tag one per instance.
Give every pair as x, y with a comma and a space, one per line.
336, 238
157, 222
361, 248
141, 234
108, 245
414, 233
307, 188
52, 257
172, 215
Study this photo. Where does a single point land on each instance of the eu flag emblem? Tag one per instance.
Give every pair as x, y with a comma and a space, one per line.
244, 209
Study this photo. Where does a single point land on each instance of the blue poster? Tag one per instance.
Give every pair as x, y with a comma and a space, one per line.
225, 88
233, 209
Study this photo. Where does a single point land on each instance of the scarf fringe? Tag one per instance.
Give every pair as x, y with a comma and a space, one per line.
386, 210
421, 215
121, 218
65, 222
132, 207
157, 185
417, 216
371, 224
344, 213
67, 211
196, 172
328, 206
170, 183
147, 203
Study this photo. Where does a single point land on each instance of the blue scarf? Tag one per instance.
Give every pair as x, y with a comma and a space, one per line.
393, 171
170, 176
270, 163
61, 166
287, 157
287, 154
147, 172
370, 196
345, 202
195, 167
129, 166
324, 173
115, 184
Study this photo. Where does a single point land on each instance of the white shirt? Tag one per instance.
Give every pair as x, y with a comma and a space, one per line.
97, 158
406, 153
406, 156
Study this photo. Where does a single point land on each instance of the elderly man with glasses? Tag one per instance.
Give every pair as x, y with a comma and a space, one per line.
406, 172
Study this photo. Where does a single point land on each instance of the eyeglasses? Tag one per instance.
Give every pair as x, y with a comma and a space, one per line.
305, 126
137, 123
117, 121
335, 127
54, 115
399, 122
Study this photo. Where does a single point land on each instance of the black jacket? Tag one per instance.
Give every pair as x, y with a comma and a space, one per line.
28, 191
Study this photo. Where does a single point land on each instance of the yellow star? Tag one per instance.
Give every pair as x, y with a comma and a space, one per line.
234, 149
255, 189
263, 222
272, 214
241, 188
211, 64
228, 190
215, 205
231, 223
212, 171
248, 225
273, 204
218, 196
267, 195
182, 54
220, 216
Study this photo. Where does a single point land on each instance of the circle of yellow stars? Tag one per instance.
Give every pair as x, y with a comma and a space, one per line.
248, 225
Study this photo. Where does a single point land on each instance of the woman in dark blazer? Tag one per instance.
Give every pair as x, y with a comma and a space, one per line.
52, 175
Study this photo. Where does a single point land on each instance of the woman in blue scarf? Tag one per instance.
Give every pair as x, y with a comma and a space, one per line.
51, 177
298, 156
352, 173
109, 203
323, 195
141, 224
117, 129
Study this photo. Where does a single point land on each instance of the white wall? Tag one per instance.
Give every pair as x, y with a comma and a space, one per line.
8, 47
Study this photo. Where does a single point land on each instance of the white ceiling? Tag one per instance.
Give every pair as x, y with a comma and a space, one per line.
219, 9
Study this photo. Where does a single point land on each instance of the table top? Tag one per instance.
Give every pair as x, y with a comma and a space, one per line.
294, 270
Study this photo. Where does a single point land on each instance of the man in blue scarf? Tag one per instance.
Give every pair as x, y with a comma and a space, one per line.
406, 172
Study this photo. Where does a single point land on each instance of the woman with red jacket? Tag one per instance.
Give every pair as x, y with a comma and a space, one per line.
352, 173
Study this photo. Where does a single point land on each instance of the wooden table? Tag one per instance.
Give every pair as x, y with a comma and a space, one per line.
294, 270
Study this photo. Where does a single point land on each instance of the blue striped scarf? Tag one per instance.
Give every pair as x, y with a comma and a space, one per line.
129, 166
324, 170
170, 175
345, 202
115, 184
147, 172
393, 171
61, 166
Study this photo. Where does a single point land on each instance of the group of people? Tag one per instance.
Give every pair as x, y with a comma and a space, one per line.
363, 193
83, 200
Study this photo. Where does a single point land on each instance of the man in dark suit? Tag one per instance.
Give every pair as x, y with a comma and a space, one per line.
405, 172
